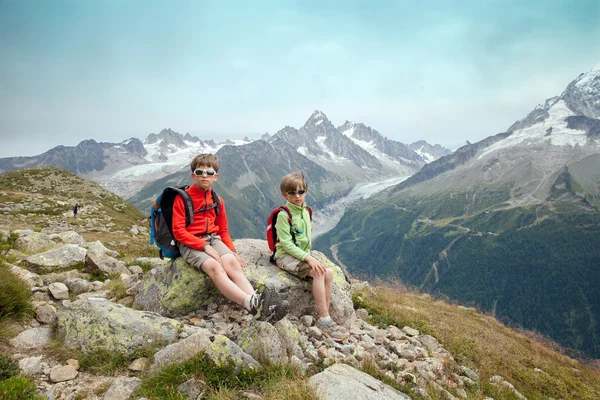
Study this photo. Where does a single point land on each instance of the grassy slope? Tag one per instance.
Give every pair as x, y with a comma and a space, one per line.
487, 346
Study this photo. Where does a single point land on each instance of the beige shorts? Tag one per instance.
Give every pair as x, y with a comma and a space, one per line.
197, 257
292, 265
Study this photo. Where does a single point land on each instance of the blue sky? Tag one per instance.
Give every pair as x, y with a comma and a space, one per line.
443, 71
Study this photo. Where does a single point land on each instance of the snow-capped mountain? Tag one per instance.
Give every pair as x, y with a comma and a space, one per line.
429, 152
359, 154
385, 150
166, 153
560, 134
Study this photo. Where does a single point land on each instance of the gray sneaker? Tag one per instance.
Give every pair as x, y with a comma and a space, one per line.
275, 312
332, 330
260, 300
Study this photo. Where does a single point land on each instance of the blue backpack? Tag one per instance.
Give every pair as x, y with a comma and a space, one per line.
161, 218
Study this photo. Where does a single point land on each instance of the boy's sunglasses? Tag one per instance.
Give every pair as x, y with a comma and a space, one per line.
299, 192
208, 172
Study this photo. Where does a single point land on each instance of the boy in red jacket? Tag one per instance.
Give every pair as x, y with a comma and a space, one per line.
206, 244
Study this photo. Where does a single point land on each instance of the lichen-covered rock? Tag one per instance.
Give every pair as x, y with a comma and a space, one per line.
97, 261
59, 258
96, 323
262, 341
70, 237
341, 380
222, 351
30, 278
181, 351
175, 289
296, 291
30, 241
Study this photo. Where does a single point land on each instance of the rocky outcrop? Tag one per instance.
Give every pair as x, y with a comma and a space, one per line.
226, 333
96, 323
177, 289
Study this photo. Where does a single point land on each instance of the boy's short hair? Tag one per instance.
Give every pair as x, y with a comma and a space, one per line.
207, 160
290, 182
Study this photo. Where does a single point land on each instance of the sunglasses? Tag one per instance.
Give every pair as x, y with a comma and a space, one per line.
299, 193
208, 172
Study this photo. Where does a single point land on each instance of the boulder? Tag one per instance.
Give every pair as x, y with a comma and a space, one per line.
122, 388
341, 380
60, 258
96, 323
176, 289
31, 242
295, 290
98, 247
70, 237
30, 278
97, 261
262, 341
33, 338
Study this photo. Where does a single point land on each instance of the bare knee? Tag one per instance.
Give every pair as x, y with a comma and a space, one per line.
328, 274
212, 268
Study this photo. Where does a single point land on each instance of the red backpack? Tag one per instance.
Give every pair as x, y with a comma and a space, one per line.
272, 238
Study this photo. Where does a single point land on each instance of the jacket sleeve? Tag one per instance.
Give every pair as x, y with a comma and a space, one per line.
222, 224
285, 237
179, 230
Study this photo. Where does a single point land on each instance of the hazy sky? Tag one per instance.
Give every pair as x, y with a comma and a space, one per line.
444, 71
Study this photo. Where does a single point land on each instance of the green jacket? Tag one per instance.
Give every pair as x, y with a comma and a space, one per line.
302, 229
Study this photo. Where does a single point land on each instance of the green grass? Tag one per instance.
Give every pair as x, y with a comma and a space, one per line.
15, 295
18, 388
272, 382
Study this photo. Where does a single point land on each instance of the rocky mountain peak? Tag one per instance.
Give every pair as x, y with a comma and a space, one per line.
190, 138
318, 122
582, 95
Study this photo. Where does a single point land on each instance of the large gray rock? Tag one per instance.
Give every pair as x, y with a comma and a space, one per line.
70, 237
262, 341
31, 242
30, 278
177, 289
222, 351
122, 388
95, 323
297, 291
33, 338
341, 381
59, 258
97, 261
182, 350
98, 247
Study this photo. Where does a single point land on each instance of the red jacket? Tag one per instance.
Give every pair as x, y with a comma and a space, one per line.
205, 222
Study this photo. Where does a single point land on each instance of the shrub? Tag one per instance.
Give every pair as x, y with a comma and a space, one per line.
18, 388
14, 295
8, 368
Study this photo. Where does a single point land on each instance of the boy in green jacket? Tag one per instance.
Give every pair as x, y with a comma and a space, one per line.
295, 258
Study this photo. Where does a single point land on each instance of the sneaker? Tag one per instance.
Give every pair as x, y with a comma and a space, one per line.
261, 301
275, 312
332, 330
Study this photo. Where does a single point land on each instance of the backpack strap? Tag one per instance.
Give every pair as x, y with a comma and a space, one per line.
309, 209
274, 231
188, 205
216, 203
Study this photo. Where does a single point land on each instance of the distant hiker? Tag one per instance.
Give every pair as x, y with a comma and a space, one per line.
75, 210
206, 244
292, 251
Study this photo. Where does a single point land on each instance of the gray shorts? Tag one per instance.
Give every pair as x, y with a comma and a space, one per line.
197, 257
292, 265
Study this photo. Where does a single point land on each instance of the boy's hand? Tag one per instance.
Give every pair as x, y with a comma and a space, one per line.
242, 262
315, 265
212, 252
